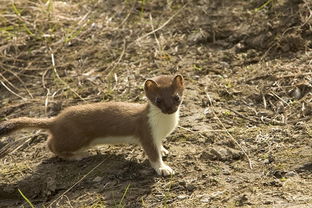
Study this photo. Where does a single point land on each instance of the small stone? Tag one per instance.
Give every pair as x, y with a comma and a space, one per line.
242, 200
183, 196
51, 184
215, 194
205, 199
225, 64
190, 187
221, 154
182, 183
290, 174
97, 179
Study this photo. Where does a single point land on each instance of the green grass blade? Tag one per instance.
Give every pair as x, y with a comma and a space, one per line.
16, 10
263, 5
27, 30
26, 199
124, 195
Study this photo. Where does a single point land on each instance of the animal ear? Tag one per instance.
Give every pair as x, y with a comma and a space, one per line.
150, 85
178, 81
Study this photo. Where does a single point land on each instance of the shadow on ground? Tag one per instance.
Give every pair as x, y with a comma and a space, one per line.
118, 180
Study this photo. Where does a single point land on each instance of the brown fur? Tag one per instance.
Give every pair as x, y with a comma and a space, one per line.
12, 125
77, 126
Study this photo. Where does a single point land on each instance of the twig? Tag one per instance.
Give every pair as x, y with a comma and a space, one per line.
189, 130
197, 132
230, 135
151, 19
129, 13
163, 25
43, 78
263, 5
19, 79
242, 116
119, 59
271, 121
75, 184
264, 101
58, 76
278, 97
16, 145
9, 83
11, 91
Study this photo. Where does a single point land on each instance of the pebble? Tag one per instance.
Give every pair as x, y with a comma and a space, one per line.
182, 183
190, 187
97, 179
183, 196
205, 199
290, 174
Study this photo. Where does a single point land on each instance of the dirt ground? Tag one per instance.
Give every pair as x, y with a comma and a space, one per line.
245, 135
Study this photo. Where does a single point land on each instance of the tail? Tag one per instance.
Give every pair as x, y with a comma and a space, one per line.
12, 125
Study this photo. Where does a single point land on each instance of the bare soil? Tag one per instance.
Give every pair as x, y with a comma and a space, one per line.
245, 136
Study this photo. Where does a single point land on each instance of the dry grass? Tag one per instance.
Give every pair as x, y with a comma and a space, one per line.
255, 67
73, 50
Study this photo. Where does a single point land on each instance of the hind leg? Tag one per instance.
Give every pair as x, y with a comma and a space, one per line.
64, 153
51, 144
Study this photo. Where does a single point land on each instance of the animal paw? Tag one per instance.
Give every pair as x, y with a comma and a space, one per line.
163, 170
164, 151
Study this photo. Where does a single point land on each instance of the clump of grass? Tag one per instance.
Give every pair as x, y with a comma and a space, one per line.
98, 204
167, 194
143, 2
15, 168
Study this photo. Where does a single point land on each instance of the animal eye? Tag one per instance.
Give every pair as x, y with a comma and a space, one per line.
177, 98
157, 100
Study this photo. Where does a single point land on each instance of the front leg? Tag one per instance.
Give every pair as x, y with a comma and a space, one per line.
154, 155
164, 151
161, 168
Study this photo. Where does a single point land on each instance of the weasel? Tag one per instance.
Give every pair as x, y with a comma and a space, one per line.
77, 128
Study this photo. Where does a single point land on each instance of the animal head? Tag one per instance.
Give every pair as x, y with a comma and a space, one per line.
165, 92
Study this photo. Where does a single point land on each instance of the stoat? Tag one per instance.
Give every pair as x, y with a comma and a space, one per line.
77, 128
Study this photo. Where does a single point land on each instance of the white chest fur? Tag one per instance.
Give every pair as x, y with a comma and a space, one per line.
161, 124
